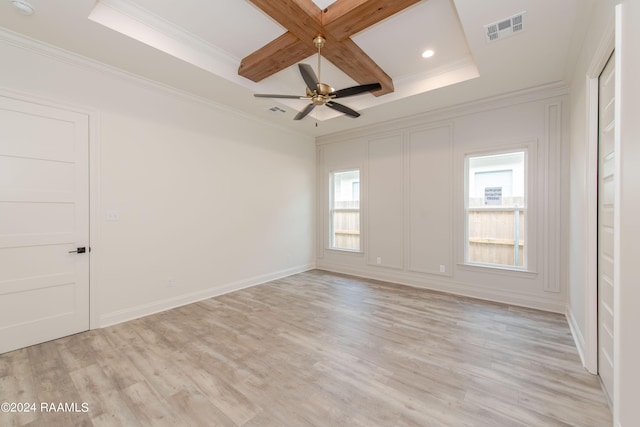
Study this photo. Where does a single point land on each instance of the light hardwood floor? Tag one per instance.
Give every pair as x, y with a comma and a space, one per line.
314, 349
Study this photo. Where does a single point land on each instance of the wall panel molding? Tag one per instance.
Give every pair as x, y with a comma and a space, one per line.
385, 205
432, 194
551, 220
321, 212
429, 151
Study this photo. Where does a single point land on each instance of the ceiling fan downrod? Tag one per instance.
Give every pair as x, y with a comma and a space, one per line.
322, 89
319, 42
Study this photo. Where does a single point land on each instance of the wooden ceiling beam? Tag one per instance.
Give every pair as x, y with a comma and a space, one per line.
304, 21
345, 18
281, 53
347, 56
301, 17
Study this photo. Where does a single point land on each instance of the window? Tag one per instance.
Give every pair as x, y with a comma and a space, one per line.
496, 210
345, 210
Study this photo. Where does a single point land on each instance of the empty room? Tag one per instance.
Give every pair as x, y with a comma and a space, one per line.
319, 213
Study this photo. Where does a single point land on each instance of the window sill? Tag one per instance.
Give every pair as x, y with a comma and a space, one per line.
345, 251
502, 270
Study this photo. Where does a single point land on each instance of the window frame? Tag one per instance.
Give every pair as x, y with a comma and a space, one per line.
331, 210
529, 148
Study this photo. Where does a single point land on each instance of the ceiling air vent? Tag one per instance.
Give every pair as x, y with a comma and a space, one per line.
504, 28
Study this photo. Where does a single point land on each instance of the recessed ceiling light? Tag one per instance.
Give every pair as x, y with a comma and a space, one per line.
428, 53
23, 7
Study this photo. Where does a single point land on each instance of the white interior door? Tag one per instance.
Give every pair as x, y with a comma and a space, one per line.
606, 197
44, 215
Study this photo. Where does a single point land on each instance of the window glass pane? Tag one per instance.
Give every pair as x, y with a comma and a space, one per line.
492, 237
346, 192
346, 231
497, 180
496, 209
345, 216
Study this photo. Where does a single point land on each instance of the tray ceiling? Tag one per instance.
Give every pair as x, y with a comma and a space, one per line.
196, 46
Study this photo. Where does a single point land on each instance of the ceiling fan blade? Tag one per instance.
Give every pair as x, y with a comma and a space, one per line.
265, 95
302, 114
309, 76
355, 90
343, 109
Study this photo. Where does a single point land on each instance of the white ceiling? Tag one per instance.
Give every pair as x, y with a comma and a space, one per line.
196, 46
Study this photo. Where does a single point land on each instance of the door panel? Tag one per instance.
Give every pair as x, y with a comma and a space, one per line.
37, 132
44, 214
606, 199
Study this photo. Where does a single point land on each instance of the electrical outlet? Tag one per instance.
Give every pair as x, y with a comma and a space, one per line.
379, 260
443, 269
169, 282
113, 216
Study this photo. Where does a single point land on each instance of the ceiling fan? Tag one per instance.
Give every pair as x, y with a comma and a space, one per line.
321, 93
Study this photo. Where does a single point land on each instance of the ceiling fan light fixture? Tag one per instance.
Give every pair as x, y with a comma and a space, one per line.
428, 53
321, 94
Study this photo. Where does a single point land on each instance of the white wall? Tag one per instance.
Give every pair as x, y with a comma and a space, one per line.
209, 198
627, 299
412, 197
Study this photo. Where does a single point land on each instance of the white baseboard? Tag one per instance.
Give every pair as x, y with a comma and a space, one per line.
576, 333
451, 287
132, 313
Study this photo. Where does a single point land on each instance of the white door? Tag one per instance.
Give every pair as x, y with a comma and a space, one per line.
44, 216
606, 157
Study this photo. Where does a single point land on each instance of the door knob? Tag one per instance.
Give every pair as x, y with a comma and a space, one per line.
79, 251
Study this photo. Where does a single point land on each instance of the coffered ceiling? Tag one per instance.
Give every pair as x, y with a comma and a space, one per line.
198, 47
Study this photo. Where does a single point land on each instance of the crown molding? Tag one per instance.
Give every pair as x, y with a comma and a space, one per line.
537, 93
136, 22
38, 47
